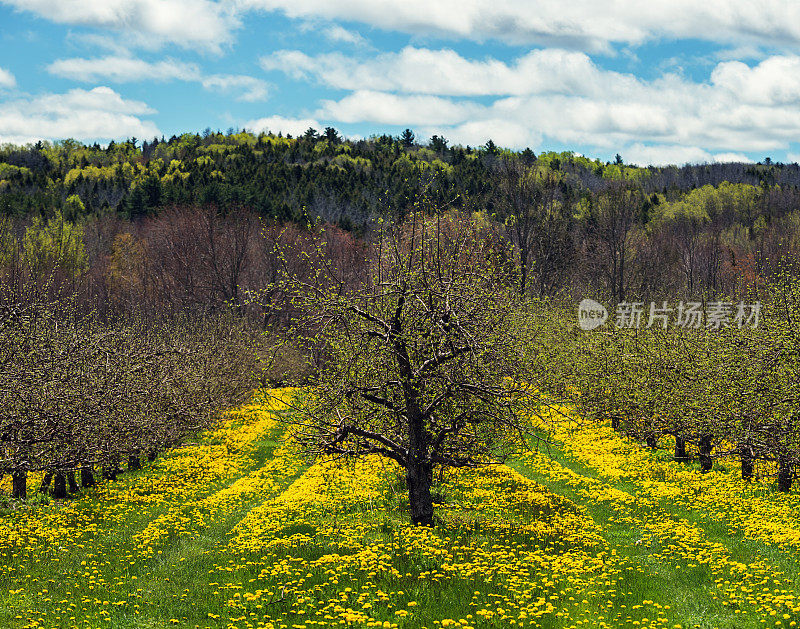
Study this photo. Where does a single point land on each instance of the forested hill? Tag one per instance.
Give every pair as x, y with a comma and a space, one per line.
340, 181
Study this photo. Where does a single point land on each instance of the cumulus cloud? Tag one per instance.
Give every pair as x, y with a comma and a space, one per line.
334, 33
774, 81
663, 155
564, 97
7, 79
122, 69
586, 24
189, 23
445, 72
275, 124
501, 131
245, 88
397, 110
732, 157
579, 23
96, 114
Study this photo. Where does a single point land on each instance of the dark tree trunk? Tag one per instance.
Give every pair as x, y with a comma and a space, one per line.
705, 446
134, 463
87, 478
418, 479
152, 454
652, 442
112, 470
785, 474
615, 423
746, 456
59, 486
73, 486
19, 485
46, 480
680, 450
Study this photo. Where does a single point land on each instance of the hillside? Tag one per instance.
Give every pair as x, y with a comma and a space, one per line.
341, 181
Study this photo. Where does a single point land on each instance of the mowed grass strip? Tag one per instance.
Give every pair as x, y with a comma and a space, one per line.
266, 542
99, 559
708, 571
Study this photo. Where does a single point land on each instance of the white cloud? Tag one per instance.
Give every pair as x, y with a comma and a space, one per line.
585, 23
563, 97
121, 69
445, 72
579, 23
247, 88
397, 110
124, 69
501, 131
7, 79
97, 114
740, 53
732, 157
333, 33
275, 124
190, 23
774, 81
665, 155
339, 34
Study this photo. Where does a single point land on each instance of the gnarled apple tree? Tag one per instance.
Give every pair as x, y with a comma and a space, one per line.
424, 362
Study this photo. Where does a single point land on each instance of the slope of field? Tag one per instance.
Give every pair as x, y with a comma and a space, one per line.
236, 531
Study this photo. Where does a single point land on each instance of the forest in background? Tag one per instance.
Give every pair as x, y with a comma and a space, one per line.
190, 221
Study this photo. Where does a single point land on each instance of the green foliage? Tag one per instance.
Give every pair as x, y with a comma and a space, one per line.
8, 243
54, 243
73, 207
710, 202
278, 176
8, 170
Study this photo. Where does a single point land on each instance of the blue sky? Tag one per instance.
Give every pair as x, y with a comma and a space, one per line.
667, 81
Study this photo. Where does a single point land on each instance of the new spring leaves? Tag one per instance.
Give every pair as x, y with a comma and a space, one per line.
690, 314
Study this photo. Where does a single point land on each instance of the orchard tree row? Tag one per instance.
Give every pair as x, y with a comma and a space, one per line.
81, 396
713, 392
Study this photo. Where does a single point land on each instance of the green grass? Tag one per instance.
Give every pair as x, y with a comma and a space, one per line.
194, 579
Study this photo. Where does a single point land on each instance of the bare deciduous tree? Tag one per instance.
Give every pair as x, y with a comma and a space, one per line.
425, 359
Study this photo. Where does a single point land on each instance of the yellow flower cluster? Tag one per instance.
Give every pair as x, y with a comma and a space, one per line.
258, 540
526, 553
179, 495
718, 496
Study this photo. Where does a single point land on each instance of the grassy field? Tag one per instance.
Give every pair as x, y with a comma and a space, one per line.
236, 531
